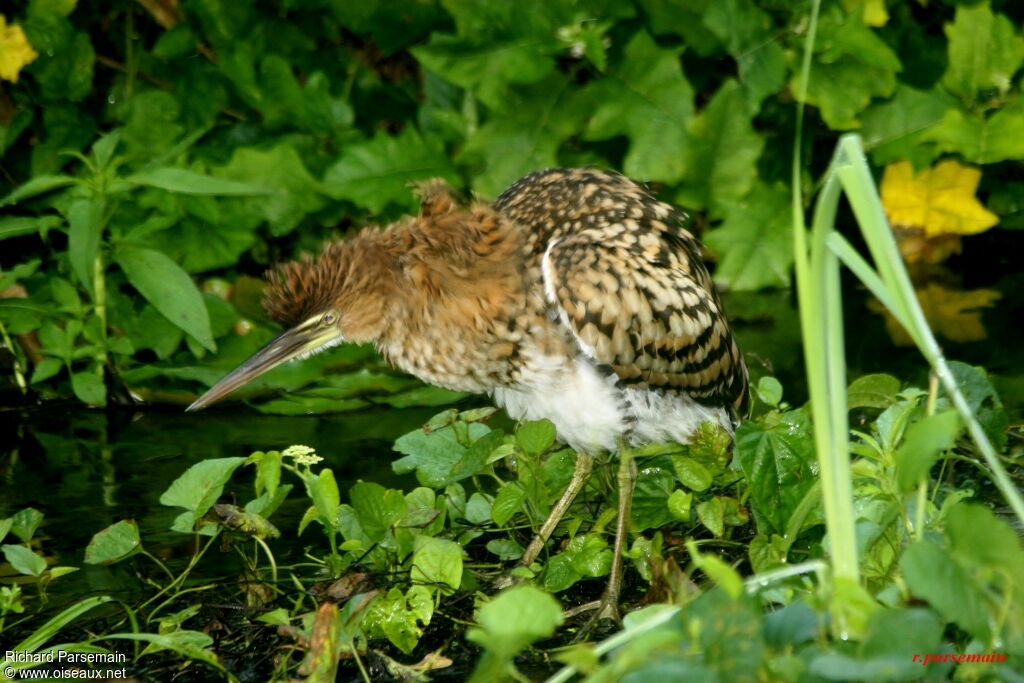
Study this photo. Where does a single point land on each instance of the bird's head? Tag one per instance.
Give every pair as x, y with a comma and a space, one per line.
341, 296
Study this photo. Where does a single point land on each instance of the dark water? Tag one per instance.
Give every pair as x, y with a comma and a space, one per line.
87, 469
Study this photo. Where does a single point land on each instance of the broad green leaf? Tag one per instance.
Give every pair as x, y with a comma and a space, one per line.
268, 470
984, 51
85, 223
852, 64
113, 544
679, 504
525, 135
590, 555
721, 159
925, 440
433, 455
508, 502
295, 193
769, 390
198, 488
514, 619
5, 527
506, 549
189, 644
478, 509
89, 388
978, 139
64, 68
691, 473
647, 99
379, 509
380, 172
872, 391
932, 574
755, 240
749, 36
23, 559
536, 437
559, 574
983, 400
895, 129
400, 617
268, 503
496, 46
712, 515
184, 181
25, 522
650, 499
778, 462
437, 563
169, 289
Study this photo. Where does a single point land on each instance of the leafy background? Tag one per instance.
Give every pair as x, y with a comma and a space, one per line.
174, 150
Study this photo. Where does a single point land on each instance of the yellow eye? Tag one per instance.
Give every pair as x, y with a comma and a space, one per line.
328, 319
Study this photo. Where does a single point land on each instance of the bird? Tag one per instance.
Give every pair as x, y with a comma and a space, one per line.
575, 296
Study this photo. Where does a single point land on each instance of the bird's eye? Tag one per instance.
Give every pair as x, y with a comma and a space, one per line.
328, 319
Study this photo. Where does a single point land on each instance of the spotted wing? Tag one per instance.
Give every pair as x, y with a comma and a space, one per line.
642, 303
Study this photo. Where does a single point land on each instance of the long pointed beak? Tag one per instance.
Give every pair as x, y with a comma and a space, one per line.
303, 339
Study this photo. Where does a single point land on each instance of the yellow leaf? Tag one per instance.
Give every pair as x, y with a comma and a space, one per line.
952, 313
939, 200
15, 50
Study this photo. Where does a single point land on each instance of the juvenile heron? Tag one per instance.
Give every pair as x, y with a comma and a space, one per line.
576, 296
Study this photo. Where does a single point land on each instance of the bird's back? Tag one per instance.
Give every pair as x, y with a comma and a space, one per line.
621, 275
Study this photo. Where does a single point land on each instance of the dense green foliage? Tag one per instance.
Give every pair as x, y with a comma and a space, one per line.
143, 150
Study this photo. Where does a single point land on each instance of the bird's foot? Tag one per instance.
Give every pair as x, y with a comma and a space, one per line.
606, 612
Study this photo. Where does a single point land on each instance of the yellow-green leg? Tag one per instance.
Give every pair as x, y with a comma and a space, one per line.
580, 475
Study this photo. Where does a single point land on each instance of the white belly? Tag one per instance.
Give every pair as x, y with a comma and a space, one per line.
590, 413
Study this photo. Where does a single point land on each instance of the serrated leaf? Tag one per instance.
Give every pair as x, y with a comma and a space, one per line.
378, 509
525, 135
721, 159
646, 98
755, 240
979, 139
984, 51
896, 129
169, 289
380, 172
508, 502
749, 35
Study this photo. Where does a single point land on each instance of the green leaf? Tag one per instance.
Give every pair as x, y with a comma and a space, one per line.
506, 549
497, 45
380, 172
85, 220
434, 455
535, 437
268, 470
400, 617
525, 135
872, 391
769, 390
16, 226
978, 139
25, 522
514, 619
323, 491
983, 400
721, 159
712, 515
295, 192
169, 289
437, 562
64, 67
852, 64
193, 645
895, 129
647, 99
778, 462
198, 488
984, 52
590, 555
23, 559
378, 509
184, 181
691, 473
932, 574
5, 527
679, 504
749, 35
114, 543
650, 500
508, 502
925, 440
37, 186
89, 388
755, 240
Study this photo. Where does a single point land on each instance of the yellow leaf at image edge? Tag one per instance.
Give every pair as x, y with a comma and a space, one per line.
939, 200
15, 51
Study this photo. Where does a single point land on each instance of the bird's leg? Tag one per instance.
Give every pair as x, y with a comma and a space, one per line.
580, 475
608, 608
